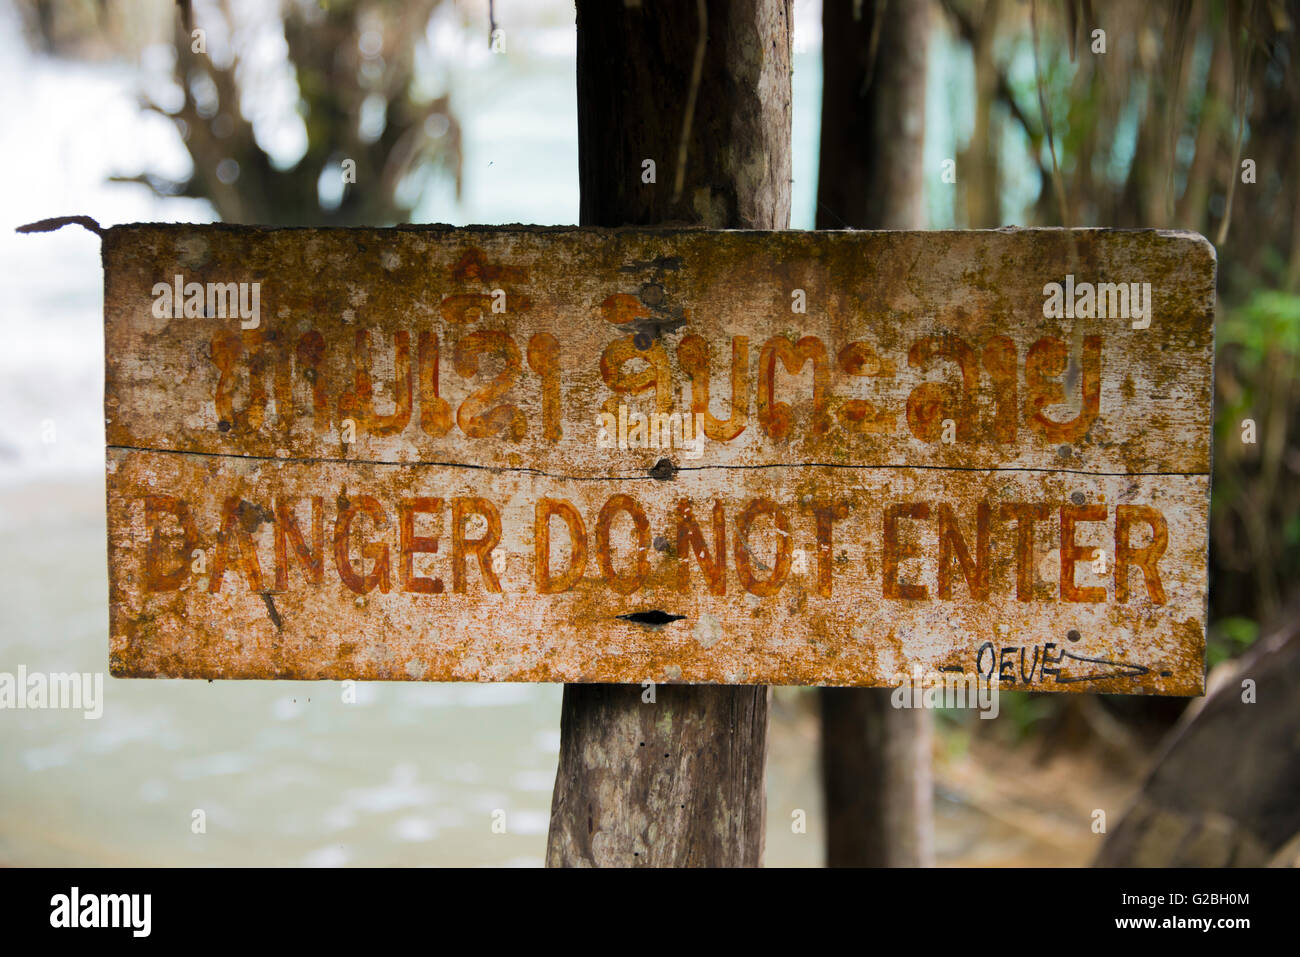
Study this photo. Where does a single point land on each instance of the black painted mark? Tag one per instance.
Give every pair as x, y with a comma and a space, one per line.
659, 263
663, 470
1126, 669
654, 618
649, 328
1049, 660
270, 610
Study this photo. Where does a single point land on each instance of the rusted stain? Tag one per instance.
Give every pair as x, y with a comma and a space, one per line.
627, 455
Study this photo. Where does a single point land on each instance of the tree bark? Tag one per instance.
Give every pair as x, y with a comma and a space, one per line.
876, 780
875, 759
636, 65
701, 89
870, 168
1223, 792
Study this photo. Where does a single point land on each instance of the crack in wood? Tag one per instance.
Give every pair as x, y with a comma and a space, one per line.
506, 469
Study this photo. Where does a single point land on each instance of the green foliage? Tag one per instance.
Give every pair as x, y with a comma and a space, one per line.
1255, 505
1019, 715
1024, 711
953, 734
1268, 322
1228, 638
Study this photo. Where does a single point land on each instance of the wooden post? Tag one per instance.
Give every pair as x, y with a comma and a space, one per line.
700, 90
875, 758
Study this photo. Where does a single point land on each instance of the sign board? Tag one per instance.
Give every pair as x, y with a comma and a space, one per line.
583, 455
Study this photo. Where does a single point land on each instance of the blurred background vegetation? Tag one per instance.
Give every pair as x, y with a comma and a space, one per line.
352, 79
1187, 120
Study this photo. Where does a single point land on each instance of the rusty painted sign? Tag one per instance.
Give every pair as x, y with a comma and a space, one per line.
581, 455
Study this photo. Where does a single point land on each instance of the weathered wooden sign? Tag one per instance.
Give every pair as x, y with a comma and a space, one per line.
659, 455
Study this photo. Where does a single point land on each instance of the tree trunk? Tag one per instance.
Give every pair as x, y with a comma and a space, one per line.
1223, 792
875, 758
870, 169
702, 89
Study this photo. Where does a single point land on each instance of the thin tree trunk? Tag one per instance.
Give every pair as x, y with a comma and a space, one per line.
979, 163
870, 168
875, 758
679, 781
876, 780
